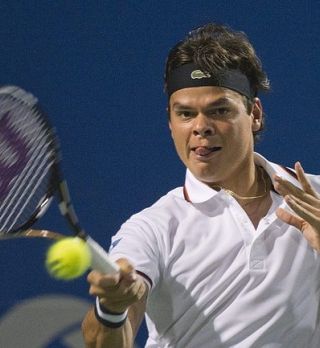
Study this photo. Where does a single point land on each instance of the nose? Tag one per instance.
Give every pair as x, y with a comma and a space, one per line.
203, 126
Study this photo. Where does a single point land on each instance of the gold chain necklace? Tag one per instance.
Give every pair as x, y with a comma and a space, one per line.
235, 195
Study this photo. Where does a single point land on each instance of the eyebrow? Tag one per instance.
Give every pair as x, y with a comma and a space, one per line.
218, 102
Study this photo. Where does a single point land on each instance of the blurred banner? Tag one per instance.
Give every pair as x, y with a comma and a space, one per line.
44, 321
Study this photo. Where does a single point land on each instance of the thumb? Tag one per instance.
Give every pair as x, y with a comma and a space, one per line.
289, 218
127, 270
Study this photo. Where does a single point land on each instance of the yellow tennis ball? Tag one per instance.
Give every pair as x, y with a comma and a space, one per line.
68, 258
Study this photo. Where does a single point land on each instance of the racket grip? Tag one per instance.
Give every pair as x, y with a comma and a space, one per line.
100, 259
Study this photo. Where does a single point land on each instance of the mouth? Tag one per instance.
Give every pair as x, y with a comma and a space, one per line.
204, 151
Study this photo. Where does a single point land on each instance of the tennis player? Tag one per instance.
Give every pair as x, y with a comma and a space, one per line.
231, 258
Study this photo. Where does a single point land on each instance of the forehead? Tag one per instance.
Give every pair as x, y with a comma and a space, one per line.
198, 96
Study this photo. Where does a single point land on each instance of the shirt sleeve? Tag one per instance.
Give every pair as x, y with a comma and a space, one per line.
137, 242
315, 181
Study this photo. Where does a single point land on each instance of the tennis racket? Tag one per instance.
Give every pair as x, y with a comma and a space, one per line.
30, 174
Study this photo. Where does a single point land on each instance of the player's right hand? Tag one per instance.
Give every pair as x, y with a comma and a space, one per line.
118, 291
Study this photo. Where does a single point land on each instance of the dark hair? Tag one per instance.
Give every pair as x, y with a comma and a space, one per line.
215, 47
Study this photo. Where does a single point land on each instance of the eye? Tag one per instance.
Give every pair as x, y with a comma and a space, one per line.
185, 114
221, 111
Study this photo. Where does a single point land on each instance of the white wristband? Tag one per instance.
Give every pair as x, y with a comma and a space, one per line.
110, 318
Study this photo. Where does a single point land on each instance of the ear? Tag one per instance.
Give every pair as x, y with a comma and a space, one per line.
256, 114
169, 120
170, 127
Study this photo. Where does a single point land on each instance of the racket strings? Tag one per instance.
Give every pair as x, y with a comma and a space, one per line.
26, 175
27, 143
26, 197
23, 206
36, 155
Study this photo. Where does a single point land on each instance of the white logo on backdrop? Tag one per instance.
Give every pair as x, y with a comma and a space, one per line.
44, 322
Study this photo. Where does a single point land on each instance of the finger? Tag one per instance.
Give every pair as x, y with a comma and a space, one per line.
312, 207
100, 292
127, 271
307, 187
289, 218
112, 295
123, 298
125, 266
103, 280
303, 210
118, 291
135, 291
284, 188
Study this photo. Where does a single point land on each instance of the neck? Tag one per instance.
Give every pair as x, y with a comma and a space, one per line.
248, 187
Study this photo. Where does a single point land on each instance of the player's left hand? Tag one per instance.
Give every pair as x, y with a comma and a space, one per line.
305, 203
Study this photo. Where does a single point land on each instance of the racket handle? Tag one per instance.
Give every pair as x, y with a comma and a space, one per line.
100, 259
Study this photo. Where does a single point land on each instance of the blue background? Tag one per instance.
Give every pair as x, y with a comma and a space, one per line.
97, 68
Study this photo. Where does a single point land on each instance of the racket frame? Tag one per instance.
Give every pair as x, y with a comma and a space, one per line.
58, 188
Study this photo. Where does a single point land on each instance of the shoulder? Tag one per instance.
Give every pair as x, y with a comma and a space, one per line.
287, 173
159, 215
170, 204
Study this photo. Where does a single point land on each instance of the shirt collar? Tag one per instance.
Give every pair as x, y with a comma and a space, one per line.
196, 191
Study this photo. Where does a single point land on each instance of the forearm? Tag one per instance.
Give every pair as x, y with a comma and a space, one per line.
120, 301
96, 335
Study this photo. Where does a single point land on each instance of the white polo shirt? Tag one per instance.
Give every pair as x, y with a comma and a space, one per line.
215, 280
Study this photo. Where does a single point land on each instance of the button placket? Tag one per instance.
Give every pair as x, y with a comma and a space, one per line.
257, 255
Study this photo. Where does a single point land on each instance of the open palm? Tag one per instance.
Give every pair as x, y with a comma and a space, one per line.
305, 203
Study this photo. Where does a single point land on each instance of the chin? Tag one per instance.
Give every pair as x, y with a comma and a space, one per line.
205, 178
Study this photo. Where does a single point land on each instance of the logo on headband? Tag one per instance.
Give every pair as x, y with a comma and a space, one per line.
198, 74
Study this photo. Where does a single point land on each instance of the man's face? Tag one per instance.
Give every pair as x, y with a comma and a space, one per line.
212, 132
